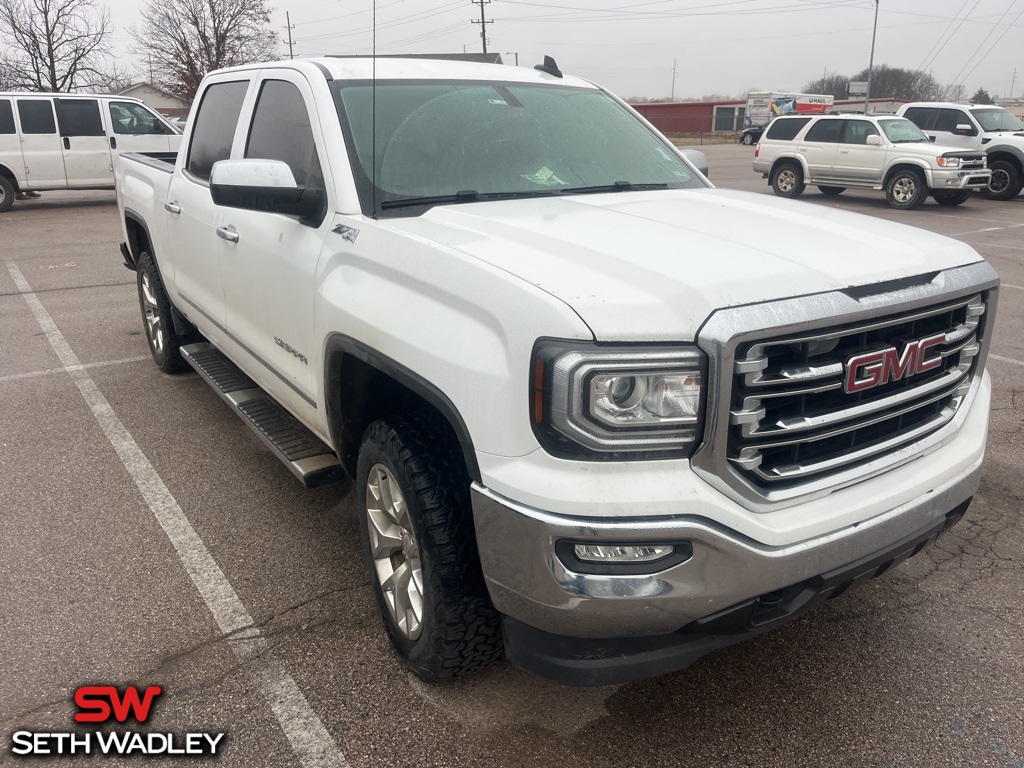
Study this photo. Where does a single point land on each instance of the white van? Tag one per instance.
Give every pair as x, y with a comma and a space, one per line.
71, 141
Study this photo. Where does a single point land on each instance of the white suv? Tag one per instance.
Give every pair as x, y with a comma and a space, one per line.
834, 152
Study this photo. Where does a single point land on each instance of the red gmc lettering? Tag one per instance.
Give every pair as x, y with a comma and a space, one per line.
873, 369
93, 700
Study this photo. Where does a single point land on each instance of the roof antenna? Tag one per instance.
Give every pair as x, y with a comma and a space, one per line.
549, 67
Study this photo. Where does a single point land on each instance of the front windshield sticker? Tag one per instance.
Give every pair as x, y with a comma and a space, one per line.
545, 177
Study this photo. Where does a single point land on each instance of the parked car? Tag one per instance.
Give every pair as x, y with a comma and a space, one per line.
884, 152
751, 135
982, 127
64, 141
596, 411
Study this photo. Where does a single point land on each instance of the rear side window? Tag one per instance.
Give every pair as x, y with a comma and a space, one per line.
825, 130
786, 130
215, 127
79, 117
36, 116
281, 131
6, 117
921, 117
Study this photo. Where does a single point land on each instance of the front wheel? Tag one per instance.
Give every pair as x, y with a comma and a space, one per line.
951, 198
416, 526
157, 320
1005, 183
831, 190
788, 180
906, 190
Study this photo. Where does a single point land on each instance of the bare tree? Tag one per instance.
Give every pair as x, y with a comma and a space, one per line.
54, 45
188, 38
834, 84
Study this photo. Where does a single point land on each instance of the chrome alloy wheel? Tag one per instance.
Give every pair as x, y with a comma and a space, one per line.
786, 180
904, 190
151, 314
396, 553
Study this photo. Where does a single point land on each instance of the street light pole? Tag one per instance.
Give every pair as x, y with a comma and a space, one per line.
871, 61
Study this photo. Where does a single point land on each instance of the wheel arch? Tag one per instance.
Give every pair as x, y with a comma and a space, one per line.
906, 165
362, 385
789, 160
1007, 156
8, 173
137, 232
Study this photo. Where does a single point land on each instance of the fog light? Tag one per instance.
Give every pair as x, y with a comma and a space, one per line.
622, 553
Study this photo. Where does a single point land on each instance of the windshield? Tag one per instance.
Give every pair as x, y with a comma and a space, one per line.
473, 140
997, 119
901, 130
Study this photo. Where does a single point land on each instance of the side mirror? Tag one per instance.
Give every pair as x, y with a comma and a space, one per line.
931, 139
874, 141
963, 129
697, 158
262, 185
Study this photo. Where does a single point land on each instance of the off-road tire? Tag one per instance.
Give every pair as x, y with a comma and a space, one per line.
906, 190
788, 179
157, 319
831, 191
460, 630
1006, 181
7, 193
951, 198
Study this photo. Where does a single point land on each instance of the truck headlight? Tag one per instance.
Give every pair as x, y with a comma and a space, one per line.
617, 402
948, 162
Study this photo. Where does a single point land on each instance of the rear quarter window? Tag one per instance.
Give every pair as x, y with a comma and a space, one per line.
786, 129
920, 116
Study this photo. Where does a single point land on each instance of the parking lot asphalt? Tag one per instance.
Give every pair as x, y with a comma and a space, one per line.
922, 667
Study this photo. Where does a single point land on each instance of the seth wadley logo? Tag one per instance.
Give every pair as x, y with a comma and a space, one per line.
100, 704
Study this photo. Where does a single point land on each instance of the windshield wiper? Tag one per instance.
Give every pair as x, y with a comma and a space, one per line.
618, 186
464, 196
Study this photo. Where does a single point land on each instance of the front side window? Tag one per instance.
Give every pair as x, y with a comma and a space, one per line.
6, 117
948, 119
36, 116
857, 132
825, 131
127, 117
900, 131
997, 119
471, 140
786, 130
79, 117
281, 131
215, 127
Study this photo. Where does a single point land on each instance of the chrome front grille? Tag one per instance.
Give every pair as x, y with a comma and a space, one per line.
797, 412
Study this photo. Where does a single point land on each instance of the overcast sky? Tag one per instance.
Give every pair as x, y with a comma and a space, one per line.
725, 47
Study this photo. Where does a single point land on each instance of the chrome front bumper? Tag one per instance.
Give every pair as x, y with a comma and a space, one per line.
529, 583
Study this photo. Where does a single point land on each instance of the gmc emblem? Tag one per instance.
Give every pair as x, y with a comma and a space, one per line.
872, 369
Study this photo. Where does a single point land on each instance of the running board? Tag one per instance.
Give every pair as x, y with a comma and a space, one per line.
308, 457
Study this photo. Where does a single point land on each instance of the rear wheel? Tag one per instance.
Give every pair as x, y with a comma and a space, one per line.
156, 317
906, 190
788, 180
747, 139
1005, 183
831, 190
951, 198
416, 526
7, 194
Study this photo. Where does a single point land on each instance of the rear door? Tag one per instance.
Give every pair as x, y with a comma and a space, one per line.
40, 143
84, 143
819, 148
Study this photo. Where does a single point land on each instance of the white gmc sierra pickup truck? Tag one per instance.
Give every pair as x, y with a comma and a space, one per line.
598, 413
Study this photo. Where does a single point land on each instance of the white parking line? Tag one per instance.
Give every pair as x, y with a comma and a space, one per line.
1006, 359
51, 371
993, 245
987, 229
1011, 285
308, 737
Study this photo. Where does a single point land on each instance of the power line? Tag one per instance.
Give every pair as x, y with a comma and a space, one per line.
483, 21
982, 43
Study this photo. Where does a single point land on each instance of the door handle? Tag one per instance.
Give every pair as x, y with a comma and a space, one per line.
113, 143
227, 233
67, 143
844, 151
172, 208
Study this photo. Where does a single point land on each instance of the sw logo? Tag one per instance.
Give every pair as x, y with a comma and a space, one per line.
872, 369
103, 703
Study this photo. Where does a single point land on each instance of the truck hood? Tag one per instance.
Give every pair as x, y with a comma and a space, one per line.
653, 266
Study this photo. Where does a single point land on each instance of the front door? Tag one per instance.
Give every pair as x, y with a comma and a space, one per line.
40, 144
133, 128
857, 160
84, 143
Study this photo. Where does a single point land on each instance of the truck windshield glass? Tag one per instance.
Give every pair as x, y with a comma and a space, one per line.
997, 119
447, 142
901, 131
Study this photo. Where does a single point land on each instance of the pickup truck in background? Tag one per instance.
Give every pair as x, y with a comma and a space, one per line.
595, 417
981, 127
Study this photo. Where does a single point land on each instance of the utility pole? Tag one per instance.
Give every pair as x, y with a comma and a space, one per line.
516, 54
1013, 81
871, 61
290, 27
483, 22
675, 71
